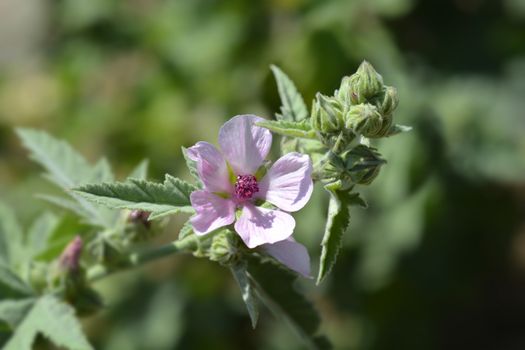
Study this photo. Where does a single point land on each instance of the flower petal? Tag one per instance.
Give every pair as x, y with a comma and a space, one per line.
292, 254
212, 212
258, 225
211, 167
244, 145
288, 183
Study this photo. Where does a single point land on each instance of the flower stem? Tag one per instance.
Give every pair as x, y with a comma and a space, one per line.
184, 245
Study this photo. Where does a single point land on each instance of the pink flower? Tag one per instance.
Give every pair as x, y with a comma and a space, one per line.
232, 180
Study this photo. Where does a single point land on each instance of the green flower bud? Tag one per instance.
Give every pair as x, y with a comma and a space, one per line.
327, 114
354, 95
225, 248
387, 125
363, 164
366, 176
344, 92
364, 119
41, 275
388, 100
369, 83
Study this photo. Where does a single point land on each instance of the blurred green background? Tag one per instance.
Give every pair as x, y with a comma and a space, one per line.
436, 262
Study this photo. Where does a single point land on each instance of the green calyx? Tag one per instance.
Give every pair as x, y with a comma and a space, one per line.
365, 83
387, 101
225, 248
327, 114
360, 165
365, 119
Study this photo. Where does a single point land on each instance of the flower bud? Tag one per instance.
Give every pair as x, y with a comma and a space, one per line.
345, 90
366, 82
361, 86
388, 100
364, 119
70, 258
40, 275
140, 217
225, 248
387, 125
363, 164
327, 114
138, 229
366, 176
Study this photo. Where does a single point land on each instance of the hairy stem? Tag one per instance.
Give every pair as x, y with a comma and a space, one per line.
184, 245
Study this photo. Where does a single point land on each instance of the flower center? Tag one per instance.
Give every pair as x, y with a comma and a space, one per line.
245, 187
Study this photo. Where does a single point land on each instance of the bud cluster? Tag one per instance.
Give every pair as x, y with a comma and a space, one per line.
361, 109
363, 106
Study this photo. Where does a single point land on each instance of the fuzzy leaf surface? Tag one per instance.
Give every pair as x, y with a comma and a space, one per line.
293, 107
247, 291
337, 223
11, 286
172, 196
67, 169
275, 287
53, 319
11, 237
301, 129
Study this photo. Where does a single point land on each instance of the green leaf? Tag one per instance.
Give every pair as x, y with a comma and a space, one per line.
192, 167
40, 232
141, 171
101, 172
275, 287
53, 319
65, 203
67, 168
293, 107
301, 129
62, 233
172, 196
397, 129
247, 291
11, 236
13, 311
336, 224
357, 200
11, 286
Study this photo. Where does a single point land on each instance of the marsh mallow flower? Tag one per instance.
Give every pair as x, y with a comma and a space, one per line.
235, 178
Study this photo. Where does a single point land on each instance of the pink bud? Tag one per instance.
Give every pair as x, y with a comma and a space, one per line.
140, 217
70, 257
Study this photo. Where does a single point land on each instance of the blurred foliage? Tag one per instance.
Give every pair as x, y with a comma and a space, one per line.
438, 259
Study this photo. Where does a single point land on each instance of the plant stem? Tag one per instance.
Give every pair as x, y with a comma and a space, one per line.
184, 245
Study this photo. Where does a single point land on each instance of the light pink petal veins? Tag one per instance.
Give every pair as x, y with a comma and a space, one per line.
258, 225
212, 212
292, 254
243, 144
288, 183
211, 167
